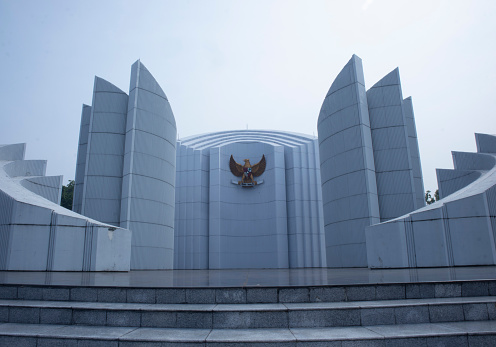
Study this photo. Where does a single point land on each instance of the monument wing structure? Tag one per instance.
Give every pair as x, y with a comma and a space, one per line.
369, 160
125, 171
457, 230
37, 234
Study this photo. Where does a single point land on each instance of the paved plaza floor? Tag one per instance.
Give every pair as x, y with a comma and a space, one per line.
248, 277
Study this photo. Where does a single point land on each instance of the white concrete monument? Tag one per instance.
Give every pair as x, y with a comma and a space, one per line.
37, 234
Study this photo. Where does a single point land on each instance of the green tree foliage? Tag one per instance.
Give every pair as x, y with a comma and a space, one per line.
429, 199
67, 194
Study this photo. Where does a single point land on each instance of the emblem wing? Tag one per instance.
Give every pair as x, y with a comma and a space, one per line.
236, 169
259, 167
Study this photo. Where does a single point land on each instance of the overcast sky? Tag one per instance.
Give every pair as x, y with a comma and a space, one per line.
230, 64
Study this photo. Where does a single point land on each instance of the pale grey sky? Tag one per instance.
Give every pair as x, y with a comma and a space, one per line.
225, 64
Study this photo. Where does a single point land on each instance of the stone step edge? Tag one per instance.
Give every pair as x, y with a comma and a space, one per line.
229, 295
247, 307
378, 332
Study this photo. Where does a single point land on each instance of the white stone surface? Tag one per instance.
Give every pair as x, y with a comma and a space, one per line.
277, 224
457, 230
36, 234
125, 172
369, 160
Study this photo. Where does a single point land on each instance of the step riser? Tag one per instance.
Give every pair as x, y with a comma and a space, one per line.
252, 319
460, 340
250, 295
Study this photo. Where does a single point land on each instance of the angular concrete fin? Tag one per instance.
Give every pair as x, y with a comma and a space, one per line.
391, 78
49, 187
473, 161
26, 168
351, 73
12, 152
450, 181
485, 143
102, 85
142, 78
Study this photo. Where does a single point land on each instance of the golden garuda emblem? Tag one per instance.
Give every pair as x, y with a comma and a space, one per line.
247, 171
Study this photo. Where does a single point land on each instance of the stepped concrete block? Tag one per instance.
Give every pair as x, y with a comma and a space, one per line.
420, 291
491, 310
143, 296
219, 337
230, 296
89, 317
261, 295
56, 316
8, 292
445, 313
327, 294
360, 293
4, 314
473, 312
200, 296
49, 342
294, 295
170, 296
411, 315
29, 315
341, 334
30, 293
165, 336
250, 320
62, 294
123, 318
194, 320
84, 294
322, 318
390, 292
158, 319
111, 294
377, 316
481, 340
18, 341
475, 289
447, 290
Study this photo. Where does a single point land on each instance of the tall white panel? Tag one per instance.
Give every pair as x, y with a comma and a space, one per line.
149, 159
349, 191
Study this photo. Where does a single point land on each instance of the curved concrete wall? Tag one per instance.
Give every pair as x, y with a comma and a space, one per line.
390, 141
125, 172
347, 168
77, 198
457, 230
277, 224
149, 172
36, 234
101, 198
369, 160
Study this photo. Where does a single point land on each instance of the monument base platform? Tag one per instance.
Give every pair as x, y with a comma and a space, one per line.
291, 307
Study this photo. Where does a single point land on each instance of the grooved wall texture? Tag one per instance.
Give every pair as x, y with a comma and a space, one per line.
369, 160
37, 234
277, 224
458, 230
125, 172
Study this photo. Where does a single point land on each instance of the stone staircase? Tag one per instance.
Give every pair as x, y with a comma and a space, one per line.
424, 314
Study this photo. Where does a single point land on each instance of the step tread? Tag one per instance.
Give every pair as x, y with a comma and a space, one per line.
250, 335
247, 307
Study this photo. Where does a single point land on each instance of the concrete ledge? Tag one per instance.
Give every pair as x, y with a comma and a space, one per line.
459, 333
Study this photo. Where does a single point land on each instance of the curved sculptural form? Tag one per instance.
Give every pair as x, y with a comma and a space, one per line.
37, 234
369, 160
278, 224
125, 172
457, 230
